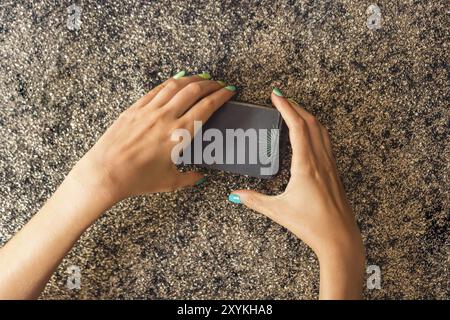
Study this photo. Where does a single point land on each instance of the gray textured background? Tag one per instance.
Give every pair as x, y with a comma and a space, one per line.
383, 95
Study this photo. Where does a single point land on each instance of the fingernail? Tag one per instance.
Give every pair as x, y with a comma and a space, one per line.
234, 198
230, 88
277, 92
292, 101
179, 75
200, 181
204, 76
222, 83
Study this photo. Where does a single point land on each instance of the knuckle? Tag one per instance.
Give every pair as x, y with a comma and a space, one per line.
209, 102
312, 121
126, 115
181, 124
172, 84
194, 88
164, 113
300, 124
250, 199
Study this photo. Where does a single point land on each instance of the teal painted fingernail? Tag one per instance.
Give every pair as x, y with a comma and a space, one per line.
179, 75
230, 88
204, 76
222, 83
234, 198
200, 181
277, 92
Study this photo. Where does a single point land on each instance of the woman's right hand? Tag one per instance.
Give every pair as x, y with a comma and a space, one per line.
314, 205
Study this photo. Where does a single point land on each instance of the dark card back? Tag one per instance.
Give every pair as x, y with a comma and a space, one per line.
241, 122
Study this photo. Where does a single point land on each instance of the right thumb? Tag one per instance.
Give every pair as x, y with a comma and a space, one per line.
253, 200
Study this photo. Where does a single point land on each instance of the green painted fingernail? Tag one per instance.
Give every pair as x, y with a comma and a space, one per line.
230, 88
179, 75
222, 83
277, 92
200, 181
204, 76
234, 198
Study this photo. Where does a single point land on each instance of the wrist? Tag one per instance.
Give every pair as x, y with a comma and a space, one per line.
77, 202
91, 179
348, 247
342, 270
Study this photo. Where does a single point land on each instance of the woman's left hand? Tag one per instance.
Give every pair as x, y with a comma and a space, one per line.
133, 156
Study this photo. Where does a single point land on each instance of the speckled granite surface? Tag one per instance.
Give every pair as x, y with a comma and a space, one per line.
383, 94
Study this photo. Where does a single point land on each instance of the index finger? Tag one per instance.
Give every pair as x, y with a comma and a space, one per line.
179, 77
204, 109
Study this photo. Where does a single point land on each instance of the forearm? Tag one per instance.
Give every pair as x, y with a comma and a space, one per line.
28, 260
